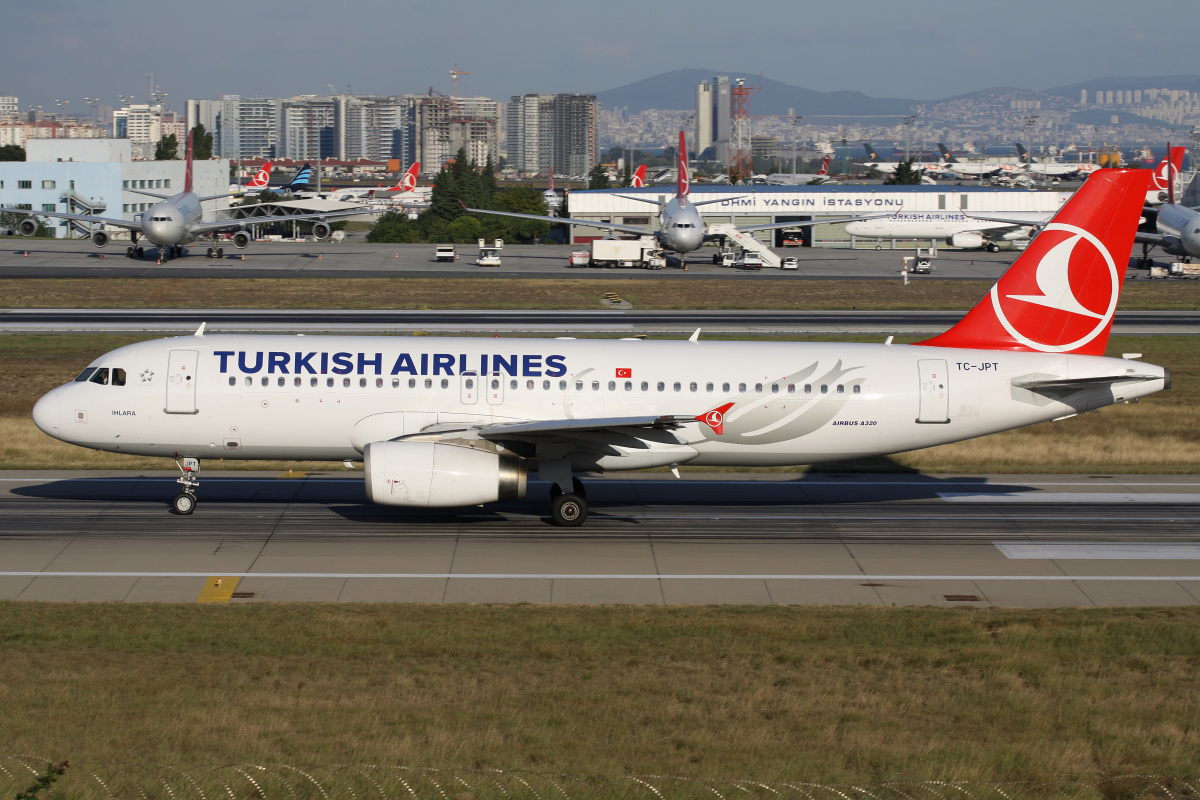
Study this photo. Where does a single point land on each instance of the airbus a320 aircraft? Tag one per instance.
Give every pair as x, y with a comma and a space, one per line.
178, 221
463, 421
406, 184
681, 227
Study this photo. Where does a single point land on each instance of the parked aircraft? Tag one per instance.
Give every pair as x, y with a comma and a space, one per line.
1175, 227
932, 169
444, 422
800, 179
394, 194
258, 183
300, 182
977, 169
1047, 169
178, 221
638, 179
681, 227
955, 228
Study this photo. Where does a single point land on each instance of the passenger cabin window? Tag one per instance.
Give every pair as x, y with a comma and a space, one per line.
232, 381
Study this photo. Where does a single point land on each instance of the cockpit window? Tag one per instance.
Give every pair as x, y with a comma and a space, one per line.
87, 373
100, 377
118, 376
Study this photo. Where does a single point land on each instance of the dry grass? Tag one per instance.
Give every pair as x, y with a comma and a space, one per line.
1161, 434
535, 294
770, 694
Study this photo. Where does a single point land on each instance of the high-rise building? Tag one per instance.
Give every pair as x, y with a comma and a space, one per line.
722, 120
249, 127
552, 133
703, 138
445, 125
8, 108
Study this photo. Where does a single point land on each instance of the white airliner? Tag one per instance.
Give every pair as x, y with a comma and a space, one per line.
681, 227
391, 194
955, 228
463, 421
179, 221
932, 169
1176, 227
800, 178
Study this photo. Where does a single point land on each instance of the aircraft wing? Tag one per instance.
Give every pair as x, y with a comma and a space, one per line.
116, 223
1152, 238
151, 194
502, 430
232, 224
1016, 222
569, 221
774, 225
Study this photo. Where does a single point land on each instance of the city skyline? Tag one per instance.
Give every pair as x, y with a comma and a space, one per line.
926, 50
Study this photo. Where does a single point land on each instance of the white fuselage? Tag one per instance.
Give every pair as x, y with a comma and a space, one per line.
173, 222
327, 397
1183, 224
935, 225
682, 228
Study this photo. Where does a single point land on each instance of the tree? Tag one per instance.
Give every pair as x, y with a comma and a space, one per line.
905, 175
12, 152
598, 178
167, 148
202, 143
394, 227
520, 200
627, 178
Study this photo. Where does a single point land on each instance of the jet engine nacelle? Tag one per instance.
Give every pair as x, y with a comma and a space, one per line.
321, 230
100, 238
27, 227
965, 240
1172, 245
241, 240
432, 475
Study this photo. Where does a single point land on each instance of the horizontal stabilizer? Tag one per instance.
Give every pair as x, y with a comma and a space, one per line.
1080, 384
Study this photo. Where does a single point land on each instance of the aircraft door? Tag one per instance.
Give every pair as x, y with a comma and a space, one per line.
495, 389
935, 391
181, 382
468, 388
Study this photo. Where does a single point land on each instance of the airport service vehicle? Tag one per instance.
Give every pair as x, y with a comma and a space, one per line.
489, 254
790, 262
748, 260
179, 221
580, 258
445, 252
641, 253
447, 422
681, 227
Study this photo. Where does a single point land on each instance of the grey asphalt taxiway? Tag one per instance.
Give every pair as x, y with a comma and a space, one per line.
355, 258
904, 539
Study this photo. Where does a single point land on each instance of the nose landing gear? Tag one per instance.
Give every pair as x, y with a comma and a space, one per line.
184, 503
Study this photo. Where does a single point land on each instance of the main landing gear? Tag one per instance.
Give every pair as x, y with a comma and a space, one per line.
184, 503
569, 509
135, 252
215, 252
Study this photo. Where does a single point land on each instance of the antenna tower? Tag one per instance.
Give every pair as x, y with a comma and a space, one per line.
741, 158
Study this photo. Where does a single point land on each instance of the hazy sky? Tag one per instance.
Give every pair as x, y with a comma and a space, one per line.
923, 49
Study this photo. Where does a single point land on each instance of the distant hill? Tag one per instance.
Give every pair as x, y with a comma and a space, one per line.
677, 90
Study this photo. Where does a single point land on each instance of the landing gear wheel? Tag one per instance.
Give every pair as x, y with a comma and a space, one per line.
212, 251
184, 503
129, 252
993, 248
139, 252
878, 247
568, 510
220, 252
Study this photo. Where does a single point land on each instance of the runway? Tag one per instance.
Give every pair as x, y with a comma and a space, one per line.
20, 320
763, 538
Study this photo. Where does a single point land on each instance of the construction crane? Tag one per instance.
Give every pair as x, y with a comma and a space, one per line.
454, 73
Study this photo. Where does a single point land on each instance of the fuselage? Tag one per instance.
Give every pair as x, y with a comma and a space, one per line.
327, 397
173, 222
682, 228
934, 225
1182, 224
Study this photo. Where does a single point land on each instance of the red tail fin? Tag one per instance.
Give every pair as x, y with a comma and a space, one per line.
685, 179
187, 175
1168, 170
824, 170
639, 178
1060, 295
409, 181
261, 178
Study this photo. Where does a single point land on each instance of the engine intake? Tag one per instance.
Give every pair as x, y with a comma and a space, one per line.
28, 227
321, 230
432, 475
241, 240
965, 240
100, 238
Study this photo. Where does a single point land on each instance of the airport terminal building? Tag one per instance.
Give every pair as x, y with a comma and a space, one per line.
760, 205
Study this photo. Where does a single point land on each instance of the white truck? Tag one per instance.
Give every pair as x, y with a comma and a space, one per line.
445, 252
634, 253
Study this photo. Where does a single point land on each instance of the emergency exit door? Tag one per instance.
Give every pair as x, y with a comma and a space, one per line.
181, 382
934, 391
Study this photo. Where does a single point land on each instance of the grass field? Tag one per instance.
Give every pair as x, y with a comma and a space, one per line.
823, 694
1161, 434
571, 293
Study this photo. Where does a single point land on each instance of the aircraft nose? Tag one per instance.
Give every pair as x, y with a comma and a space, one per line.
45, 414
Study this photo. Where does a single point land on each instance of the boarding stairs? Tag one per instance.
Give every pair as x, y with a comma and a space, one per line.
745, 241
77, 204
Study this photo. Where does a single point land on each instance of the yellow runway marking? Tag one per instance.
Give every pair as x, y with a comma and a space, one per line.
292, 474
218, 589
